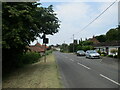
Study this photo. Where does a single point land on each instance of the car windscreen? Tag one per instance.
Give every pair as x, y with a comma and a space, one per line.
92, 52
81, 51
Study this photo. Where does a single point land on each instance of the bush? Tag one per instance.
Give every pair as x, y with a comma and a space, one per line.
85, 48
114, 51
28, 58
116, 56
102, 54
110, 55
99, 52
48, 52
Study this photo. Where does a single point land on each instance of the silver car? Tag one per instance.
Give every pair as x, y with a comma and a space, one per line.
80, 53
92, 54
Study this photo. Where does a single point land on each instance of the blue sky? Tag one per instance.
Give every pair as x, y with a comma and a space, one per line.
76, 15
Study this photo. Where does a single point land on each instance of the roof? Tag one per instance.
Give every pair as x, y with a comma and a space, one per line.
112, 43
38, 44
37, 47
94, 40
44, 46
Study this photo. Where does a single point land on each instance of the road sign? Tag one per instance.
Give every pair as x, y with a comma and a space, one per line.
45, 40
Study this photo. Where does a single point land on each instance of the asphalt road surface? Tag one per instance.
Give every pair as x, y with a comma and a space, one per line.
79, 72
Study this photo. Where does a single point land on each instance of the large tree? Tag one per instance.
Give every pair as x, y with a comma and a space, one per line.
101, 38
112, 34
22, 22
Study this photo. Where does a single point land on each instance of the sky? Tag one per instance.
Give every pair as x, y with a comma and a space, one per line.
74, 16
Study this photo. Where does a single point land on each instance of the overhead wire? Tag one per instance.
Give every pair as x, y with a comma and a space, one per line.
97, 17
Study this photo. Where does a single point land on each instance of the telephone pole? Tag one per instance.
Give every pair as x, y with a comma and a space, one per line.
73, 43
64, 46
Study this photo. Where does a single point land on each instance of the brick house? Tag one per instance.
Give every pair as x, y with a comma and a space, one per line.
37, 48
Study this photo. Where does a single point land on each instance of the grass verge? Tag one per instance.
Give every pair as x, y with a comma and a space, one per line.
37, 75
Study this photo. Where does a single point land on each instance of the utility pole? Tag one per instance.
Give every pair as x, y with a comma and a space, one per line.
64, 46
45, 41
73, 43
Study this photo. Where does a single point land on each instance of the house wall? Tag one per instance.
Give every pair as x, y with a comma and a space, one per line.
110, 48
104, 49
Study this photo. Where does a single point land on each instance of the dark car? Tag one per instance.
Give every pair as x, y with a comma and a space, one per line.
80, 53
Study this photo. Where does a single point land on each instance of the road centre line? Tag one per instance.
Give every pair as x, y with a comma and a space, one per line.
109, 79
71, 59
84, 66
66, 57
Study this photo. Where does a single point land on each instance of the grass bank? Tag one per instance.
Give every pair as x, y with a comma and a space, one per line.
37, 75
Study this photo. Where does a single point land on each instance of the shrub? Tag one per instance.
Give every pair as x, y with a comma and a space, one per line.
99, 52
85, 48
48, 52
28, 58
116, 56
102, 54
110, 55
114, 51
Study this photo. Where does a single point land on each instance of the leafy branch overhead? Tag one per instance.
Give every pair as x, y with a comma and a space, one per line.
23, 22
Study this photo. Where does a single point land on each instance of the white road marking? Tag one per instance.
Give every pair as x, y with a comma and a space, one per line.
109, 79
66, 57
101, 60
71, 60
83, 65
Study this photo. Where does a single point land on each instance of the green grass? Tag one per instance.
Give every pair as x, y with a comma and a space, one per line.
51, 76
37, 75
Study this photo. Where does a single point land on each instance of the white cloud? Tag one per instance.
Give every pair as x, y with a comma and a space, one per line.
74, 16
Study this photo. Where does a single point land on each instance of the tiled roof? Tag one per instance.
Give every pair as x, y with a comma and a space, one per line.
38, 44
37, 47
44, 46
112, 43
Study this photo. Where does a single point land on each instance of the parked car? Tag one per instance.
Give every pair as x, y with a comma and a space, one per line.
92, 54
80, 53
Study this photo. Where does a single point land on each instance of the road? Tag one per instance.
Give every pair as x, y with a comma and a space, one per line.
79, 72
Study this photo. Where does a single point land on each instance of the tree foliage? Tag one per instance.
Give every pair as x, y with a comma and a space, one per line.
101, 38
22, 22
84, 43
112, 34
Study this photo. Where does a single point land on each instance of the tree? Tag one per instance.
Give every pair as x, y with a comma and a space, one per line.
64, 47
84, 43
101, 38
21, 23
46, 20
112, 34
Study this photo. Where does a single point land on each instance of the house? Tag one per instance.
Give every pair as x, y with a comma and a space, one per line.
94, 40
107, 46
37, 48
